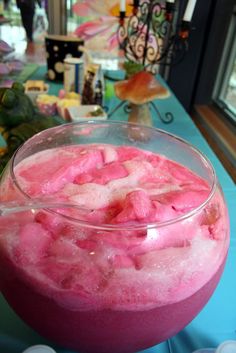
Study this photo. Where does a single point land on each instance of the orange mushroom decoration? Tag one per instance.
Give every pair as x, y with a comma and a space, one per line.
140, 89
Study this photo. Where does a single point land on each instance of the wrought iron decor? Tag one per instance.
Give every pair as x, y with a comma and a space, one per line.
152, 36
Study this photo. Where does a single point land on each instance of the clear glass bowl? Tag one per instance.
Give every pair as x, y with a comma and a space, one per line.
99, 286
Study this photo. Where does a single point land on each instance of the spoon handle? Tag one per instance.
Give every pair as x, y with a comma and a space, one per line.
10, 207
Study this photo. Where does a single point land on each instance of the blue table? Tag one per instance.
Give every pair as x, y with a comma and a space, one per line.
217, 321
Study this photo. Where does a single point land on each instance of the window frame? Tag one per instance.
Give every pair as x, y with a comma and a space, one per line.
225, 70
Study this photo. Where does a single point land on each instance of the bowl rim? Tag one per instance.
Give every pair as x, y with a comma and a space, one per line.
120, 227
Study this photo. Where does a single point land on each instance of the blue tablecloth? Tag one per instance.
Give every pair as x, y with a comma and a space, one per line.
217, 321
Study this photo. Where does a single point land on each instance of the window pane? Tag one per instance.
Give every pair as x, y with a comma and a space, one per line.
73, 21
225, 89
230, 97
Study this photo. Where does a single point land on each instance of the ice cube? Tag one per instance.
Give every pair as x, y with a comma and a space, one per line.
137, 206
126, 153
109, 154
66, 250
51, 222
109, 172
122, 261
183, 200
68, 171
34, 241
90, 195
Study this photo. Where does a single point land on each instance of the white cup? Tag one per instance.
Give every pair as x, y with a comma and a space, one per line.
39, 348
224, 347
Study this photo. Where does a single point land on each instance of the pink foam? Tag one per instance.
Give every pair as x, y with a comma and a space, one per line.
64, 167
68, 171
109, 154
137, 206
90, 195
34, 241
119, 186
126, 153
183, 200
111, 171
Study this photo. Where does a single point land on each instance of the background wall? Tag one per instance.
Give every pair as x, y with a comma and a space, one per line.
193, 79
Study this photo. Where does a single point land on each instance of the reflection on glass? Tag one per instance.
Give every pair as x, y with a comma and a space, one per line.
225, 92
230, 98
73, 21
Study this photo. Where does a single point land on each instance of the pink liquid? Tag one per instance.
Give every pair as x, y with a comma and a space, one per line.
109, 290
104, 331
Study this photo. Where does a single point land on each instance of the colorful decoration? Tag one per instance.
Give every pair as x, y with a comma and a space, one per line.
5, 47
8, 66
104, 22
154, 35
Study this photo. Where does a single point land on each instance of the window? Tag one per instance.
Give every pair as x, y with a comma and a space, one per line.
73, 21
224, 93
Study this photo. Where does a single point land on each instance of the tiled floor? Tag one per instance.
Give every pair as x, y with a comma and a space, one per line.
35, 52
27, 52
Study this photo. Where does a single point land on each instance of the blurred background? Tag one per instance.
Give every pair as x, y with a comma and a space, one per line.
204, 81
